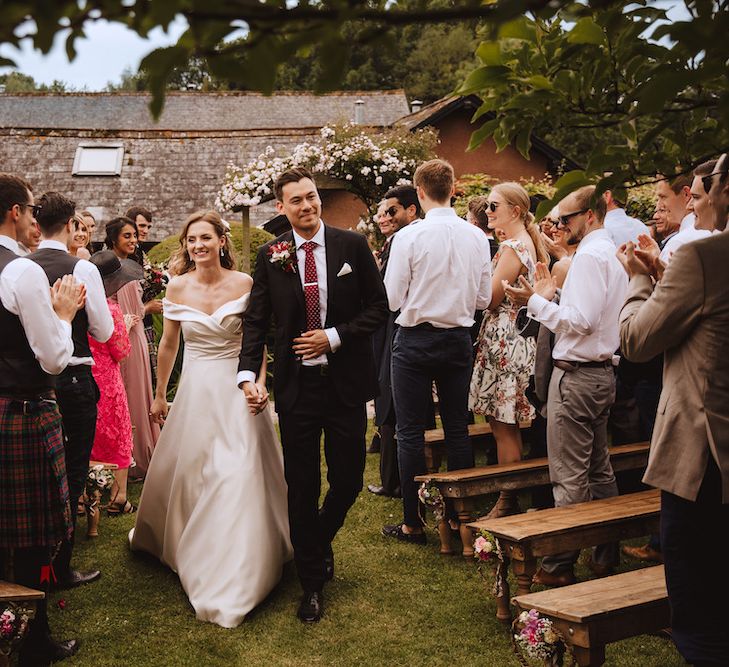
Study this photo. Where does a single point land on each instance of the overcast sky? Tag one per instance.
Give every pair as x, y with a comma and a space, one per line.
101, 58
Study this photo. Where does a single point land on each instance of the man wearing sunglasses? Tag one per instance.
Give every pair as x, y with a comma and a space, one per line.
582, 386
400, 208
685, 316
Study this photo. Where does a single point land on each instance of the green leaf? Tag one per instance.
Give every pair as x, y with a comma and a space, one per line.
6, 62
521, 28
489, 53
524, 141
586, 31
159, 65
539, 81
483, 78
483, 133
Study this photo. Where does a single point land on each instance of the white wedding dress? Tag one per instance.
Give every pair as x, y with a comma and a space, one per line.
214, 507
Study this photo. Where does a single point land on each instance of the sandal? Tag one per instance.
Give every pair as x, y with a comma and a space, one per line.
115, 509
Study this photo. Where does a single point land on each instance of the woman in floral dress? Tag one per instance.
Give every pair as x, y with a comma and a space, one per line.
504, 360
113, 441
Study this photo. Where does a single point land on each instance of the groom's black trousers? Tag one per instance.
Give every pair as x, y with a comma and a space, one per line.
318, 408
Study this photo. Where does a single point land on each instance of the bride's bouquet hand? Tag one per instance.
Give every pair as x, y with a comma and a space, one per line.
158, 411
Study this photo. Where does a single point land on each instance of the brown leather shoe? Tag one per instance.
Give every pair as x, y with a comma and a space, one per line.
599, 569
645, 553
543, 578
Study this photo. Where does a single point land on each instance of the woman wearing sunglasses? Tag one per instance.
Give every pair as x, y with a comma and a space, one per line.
505, 360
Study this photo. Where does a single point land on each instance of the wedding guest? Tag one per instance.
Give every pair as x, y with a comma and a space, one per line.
79, 241
439, 273
478, 215
719, 192
113, 442
121, 237
35, 325
90, 222
76, 389
29, 239
401, 208
582, 385
152, 306
560, 250
504, 359
708, 216
685, 316
618, 224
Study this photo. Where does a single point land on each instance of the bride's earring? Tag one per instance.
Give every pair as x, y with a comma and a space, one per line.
222, 251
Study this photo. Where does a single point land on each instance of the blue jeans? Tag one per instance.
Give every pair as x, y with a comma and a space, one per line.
421, 356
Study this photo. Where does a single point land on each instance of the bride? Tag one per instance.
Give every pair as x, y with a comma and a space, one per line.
213, 507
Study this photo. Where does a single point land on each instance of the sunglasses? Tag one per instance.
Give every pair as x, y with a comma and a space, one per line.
564, 220
35, 208
492, 206
390, 212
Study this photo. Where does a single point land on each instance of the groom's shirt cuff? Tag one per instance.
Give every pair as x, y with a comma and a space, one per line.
245, 376
335, 342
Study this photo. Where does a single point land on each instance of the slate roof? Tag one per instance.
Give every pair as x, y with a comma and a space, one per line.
197, 111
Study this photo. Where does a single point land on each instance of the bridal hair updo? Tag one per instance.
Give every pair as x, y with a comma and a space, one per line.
180, 261
515, 195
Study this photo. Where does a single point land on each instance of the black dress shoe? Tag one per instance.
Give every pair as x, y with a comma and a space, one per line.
311, 607
52, 651
329, 564
76, 578
399, 534
382, 491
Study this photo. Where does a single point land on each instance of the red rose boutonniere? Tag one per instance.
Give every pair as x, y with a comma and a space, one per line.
283, 254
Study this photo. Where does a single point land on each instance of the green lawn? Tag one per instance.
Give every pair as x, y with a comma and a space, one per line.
389, 604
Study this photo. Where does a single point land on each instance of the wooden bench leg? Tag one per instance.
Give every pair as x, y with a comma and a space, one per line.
464, 509
444, 532
589, 657
524, 571
503, 595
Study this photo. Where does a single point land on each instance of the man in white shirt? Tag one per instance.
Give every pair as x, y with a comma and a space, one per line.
439, 273
75, 387
36, 344
618, 224
582, 387
674, 197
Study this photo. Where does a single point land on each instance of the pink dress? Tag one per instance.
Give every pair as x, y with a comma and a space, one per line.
113, 439
137, 375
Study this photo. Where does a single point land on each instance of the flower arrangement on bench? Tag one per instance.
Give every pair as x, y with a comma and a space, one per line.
13, 626
535, 637
100, 478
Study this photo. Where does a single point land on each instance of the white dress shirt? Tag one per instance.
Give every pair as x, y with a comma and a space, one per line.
439, 271
585, 322
687, 233
320, 259
24, 292
101, 323
622, 228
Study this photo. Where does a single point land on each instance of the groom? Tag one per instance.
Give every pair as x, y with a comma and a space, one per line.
322, 288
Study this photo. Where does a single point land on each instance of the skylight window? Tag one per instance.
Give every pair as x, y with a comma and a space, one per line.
95, 159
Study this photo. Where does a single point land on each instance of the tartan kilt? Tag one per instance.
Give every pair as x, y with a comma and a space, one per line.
151, 337
34, 503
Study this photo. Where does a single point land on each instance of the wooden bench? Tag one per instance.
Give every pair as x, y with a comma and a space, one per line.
592, 614
526, 537
24, 597
463, 487
435, 442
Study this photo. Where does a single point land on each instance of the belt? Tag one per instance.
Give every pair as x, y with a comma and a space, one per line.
48, 395
427, 326
30, 403
320, 370
574, 365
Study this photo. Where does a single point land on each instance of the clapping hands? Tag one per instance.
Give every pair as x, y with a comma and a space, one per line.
67, 297
641, 260
544, 285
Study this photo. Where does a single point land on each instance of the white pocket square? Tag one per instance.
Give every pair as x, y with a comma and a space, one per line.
346, 268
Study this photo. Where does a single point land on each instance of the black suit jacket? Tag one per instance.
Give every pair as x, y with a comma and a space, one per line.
382, 347
356, 306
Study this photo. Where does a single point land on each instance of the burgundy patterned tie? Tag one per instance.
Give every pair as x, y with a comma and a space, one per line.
311, 288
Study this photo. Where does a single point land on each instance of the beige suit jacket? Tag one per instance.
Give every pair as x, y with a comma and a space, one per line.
687, 317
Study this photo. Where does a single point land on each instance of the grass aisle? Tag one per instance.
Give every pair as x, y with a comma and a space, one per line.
389, 604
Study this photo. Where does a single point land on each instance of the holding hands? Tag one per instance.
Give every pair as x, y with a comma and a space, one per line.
130, 320
256, 395
158, 411
544, 285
